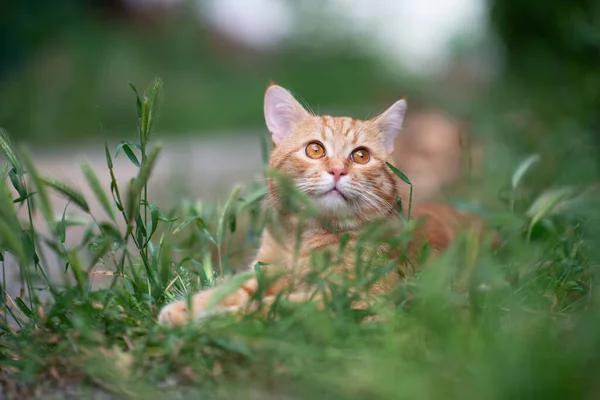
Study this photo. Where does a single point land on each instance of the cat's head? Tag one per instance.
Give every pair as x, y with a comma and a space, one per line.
338, 162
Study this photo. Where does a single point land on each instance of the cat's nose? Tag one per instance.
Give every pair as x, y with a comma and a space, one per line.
337, 172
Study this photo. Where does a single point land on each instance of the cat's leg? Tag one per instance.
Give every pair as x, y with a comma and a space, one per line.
178, 312
296, 297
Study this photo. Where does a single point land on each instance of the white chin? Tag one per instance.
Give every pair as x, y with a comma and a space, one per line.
333, 203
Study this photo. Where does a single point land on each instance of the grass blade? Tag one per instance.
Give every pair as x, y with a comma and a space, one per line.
126, 147
148, 166
223, 217
402, 176
68, 192
253, 197
264, 153
523, 168
546, 204
17, 181
8, 149
228, 287
155, 217
23, 307
138, 102
132, 202
96, 187
399, 173
149, 111
80, 276
45, 205
109, 162
11, 242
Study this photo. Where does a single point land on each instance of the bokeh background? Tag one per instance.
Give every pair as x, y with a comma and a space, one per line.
490, 84
488, 81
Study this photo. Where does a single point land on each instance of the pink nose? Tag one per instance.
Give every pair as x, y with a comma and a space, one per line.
337, 173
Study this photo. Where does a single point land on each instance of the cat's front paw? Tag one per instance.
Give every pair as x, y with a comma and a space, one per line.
178, 313
174, 314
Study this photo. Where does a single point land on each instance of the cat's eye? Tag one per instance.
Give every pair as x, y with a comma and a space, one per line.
315, 150
360, 156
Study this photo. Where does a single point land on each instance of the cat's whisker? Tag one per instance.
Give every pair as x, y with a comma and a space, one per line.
391, 208
379, 191
369, 200
371, 197
309, 187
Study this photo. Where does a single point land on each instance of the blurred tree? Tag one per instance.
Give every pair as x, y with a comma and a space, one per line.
553, 55
550, 89
26, 24
79, 72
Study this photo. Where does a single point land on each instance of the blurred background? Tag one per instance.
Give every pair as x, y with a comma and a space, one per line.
489, 82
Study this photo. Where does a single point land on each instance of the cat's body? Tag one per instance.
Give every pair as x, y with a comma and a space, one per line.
339, 164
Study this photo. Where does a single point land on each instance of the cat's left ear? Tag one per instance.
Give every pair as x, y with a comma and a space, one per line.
390, 123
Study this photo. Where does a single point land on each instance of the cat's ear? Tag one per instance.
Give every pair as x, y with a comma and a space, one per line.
390, 123
282, 111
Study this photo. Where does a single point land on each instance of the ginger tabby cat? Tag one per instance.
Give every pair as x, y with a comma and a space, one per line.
339, 163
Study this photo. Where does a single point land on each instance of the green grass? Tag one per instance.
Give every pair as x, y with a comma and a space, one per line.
522, 322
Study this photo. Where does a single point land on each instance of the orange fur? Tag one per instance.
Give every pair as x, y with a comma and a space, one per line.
348, 195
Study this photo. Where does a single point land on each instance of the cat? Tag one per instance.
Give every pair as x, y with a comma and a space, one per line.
339, 163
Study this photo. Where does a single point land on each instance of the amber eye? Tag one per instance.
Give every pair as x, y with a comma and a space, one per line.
315, 150
360, 156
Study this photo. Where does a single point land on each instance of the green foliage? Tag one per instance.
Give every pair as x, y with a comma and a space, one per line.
97, 58
550, 83
520, 322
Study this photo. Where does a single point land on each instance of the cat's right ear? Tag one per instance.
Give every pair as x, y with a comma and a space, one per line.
390, 123
282, 111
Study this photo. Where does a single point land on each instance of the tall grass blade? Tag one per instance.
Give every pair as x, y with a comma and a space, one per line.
109, 161
78, 273
149, 111
155, 217
138, 102
98, 191
399, 173
132, 202
7, 148
68, 192
45, 204
165, 262
253, 197
7, 211
148, 166
404, 178
523, 168
264, 153
223, 217
11, 241
61, 227
19, 185
126, 147
23, 307
547, 203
